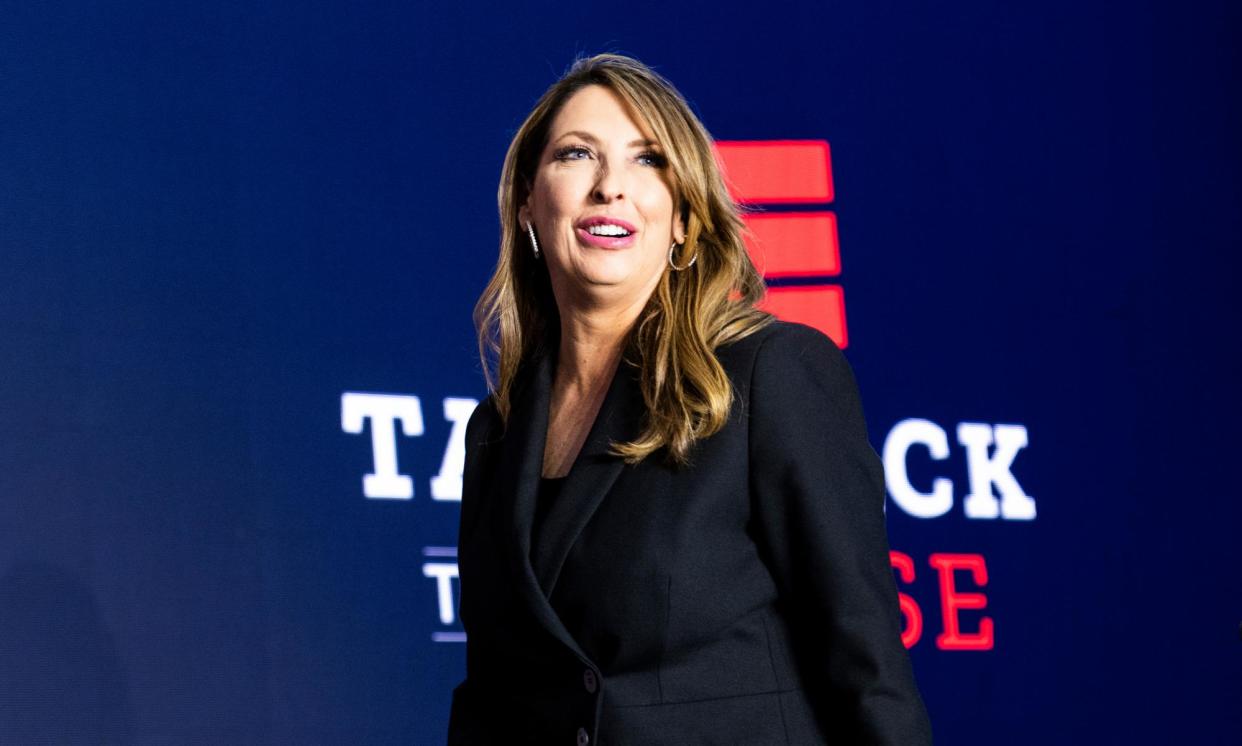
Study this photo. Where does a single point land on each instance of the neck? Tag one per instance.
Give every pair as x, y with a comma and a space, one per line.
591, 346
594, 326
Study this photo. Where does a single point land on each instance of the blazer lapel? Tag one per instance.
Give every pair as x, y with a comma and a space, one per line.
589, 480
591, 477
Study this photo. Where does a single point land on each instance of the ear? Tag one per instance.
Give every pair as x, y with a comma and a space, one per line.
524, 212
679, 224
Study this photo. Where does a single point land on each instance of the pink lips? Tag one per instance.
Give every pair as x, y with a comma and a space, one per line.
606, 242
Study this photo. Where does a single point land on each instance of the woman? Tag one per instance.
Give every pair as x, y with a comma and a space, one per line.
672, 525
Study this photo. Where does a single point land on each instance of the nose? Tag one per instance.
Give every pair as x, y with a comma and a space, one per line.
607, 185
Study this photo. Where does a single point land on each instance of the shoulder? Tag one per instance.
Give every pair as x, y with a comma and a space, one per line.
782, 348
799, 373
484, 423
785, 338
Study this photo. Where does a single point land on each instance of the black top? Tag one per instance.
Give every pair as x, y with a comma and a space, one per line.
549, 489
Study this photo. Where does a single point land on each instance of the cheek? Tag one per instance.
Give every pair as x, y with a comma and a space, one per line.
659, 218
658, 203
563, 192
552, 197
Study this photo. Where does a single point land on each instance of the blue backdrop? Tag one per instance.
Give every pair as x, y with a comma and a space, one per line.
224, 228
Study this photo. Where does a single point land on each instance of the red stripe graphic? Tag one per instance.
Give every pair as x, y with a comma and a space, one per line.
777, 171
820, 306
799, 244
790, 244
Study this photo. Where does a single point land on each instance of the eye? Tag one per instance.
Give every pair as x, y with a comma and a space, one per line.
654, 159
564, 153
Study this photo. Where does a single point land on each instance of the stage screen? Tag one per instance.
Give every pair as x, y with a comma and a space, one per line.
240, 246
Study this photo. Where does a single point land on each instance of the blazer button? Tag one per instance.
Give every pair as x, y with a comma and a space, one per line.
589, 681
583, 738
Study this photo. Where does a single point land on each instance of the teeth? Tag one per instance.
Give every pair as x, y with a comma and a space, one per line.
605, 229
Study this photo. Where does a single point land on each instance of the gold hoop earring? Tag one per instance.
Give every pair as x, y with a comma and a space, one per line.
670, 258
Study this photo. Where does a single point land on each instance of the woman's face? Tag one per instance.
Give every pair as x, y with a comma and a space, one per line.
601, 204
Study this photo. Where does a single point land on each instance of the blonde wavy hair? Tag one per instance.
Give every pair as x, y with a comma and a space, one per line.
690, 313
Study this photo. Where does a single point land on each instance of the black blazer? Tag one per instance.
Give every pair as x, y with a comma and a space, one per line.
747, 599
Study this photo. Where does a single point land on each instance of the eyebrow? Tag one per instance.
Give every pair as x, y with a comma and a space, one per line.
640, 143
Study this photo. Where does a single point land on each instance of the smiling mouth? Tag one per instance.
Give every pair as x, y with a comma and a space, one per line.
613, 237
608, 230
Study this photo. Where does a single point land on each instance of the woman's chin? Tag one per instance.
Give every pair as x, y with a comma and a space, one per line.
607, 270
609, 287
